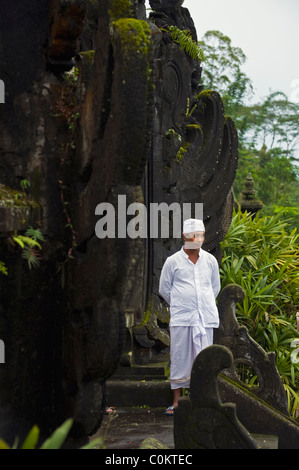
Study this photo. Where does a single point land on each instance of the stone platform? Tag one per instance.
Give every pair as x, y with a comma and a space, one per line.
140, 385
131, 426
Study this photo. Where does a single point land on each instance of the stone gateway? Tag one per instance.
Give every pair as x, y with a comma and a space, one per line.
102, 109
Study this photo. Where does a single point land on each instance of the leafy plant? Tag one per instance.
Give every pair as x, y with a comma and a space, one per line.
25, 184
55, 441
30, 246
181, 152
261, 255
183, 37
3, 268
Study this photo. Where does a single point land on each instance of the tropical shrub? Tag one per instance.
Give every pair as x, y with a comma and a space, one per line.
261, 254
55, 441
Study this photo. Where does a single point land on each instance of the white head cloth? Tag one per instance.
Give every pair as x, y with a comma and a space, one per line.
193, 225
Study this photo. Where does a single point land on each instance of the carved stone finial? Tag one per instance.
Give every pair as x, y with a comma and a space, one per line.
248, 201
249, 185
205, 370
247, 351
202, 421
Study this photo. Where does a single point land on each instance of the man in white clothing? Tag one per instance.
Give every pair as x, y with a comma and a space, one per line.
189, 283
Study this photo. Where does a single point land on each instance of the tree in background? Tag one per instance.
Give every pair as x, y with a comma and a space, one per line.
268, 131
275, 122
261, 254
222, 68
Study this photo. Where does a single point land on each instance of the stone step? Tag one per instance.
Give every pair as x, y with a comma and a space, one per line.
156, 371
127, 393
266, 441
157, 394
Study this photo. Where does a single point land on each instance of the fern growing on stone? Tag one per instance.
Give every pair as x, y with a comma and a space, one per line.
187, 44
30, 244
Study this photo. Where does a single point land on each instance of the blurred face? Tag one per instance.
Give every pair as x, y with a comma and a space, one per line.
194, 240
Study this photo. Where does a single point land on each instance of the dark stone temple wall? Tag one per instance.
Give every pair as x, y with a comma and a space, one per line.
111, 126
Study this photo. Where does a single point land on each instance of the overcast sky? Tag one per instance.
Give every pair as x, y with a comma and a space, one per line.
268, 33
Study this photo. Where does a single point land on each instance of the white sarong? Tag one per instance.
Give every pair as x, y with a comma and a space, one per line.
186, 342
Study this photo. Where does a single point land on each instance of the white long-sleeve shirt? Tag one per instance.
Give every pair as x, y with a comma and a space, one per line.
191, 289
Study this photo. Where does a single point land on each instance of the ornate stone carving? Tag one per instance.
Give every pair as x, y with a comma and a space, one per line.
248, 200
194, 145
201, 421
246, 351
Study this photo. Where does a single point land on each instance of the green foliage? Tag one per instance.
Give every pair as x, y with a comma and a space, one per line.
172, 134
30, 246
134, 36
268, 131
3, 268
261, 255
181, 152
184, 38
25, 184
55, 441
14, 198
275, 122
275, 178
222, 69
262, 249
